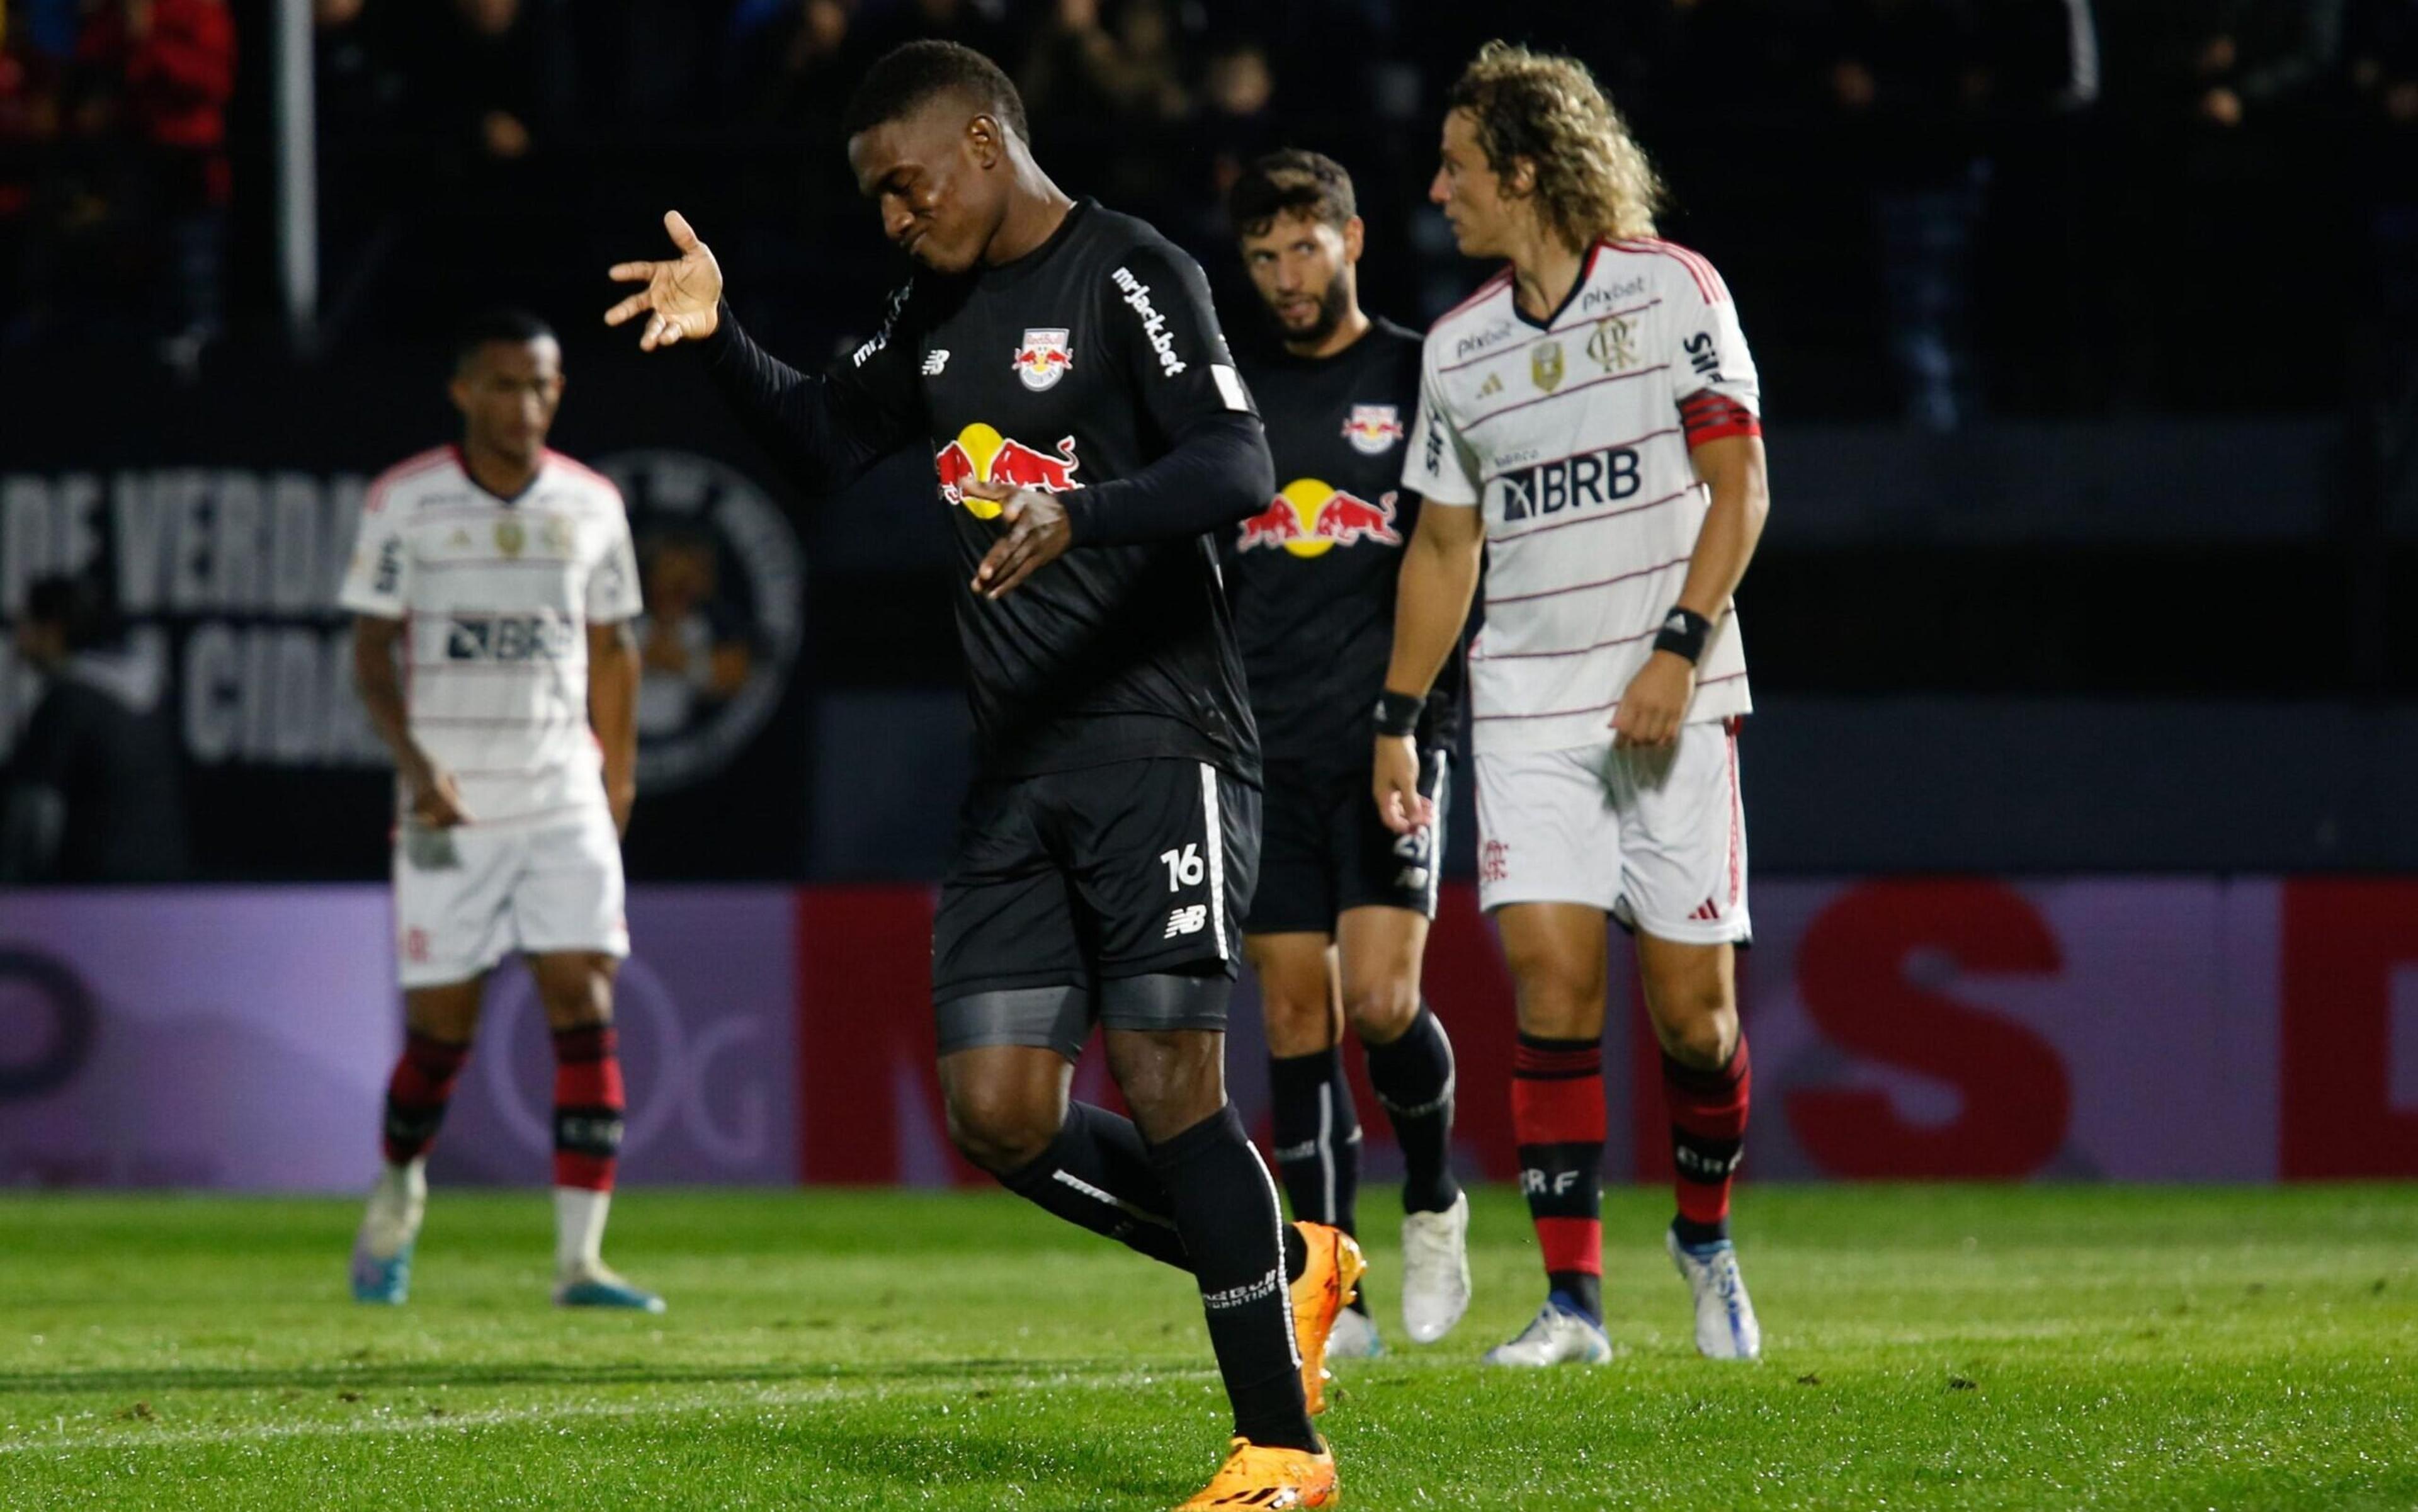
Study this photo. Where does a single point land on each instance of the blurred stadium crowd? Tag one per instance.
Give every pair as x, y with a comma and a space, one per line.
2065, 310
1933, 208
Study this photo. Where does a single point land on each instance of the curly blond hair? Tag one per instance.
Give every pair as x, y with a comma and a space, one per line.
1592, 177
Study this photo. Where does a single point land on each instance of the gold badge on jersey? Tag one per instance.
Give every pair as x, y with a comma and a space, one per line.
510, 537
1545, 365
1613, 345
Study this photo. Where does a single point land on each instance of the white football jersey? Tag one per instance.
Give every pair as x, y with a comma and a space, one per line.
1574, 435
496, 596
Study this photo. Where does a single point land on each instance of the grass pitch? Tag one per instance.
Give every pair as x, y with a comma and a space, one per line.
1927, 1347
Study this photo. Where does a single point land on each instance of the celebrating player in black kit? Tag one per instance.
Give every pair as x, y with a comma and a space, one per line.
1066, 366
1340, 924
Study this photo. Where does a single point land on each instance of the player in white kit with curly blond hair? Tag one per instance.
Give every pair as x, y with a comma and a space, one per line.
1590, 421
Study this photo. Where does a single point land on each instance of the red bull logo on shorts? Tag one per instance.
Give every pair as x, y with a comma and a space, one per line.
981, 454
1310, 519
1044, 358
1373, 429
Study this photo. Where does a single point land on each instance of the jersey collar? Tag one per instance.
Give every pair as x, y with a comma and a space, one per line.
1006, 273
462, 460
1587, 271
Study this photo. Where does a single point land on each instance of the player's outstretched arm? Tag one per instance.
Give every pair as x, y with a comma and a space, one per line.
828, 429
683, 297
1655, 704
1439, 576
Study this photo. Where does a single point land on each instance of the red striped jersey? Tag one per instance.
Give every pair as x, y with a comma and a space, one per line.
496, 596
1574, 435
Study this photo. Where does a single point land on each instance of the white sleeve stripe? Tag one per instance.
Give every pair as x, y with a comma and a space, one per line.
1230, 387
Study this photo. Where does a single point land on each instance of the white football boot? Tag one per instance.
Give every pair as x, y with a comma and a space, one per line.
381, 1268
1435, 1271
1557, 1336
1725, 1325
1353, 1338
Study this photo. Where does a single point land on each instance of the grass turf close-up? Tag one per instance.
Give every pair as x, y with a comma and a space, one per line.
1954, 1347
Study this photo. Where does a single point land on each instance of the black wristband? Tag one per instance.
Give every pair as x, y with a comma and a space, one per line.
1683, 633
1398, 714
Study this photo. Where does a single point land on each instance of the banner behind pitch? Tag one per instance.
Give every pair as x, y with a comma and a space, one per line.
2125, 1028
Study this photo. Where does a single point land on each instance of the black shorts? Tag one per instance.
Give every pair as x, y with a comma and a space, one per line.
1324, 850
1075, 879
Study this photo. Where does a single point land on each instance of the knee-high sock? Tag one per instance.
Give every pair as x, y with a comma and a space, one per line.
1317, 1134
1708, 1112
417, 1095
1098, 1174
1413, 1079
1226, 1209
1317, 1137
586, 1106
1557, 1117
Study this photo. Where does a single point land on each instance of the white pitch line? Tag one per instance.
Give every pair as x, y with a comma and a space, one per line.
133, 1438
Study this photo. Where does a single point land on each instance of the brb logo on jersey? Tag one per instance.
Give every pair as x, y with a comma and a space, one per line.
1310, 519
981, 454
1044, 358
543, 637
1373, 429
1572, 483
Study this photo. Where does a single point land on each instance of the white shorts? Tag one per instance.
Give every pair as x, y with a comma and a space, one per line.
1655, 838
466, 898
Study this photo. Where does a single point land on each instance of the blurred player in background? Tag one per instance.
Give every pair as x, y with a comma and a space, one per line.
1088, 433
1589, 421
495, 585
1339, 923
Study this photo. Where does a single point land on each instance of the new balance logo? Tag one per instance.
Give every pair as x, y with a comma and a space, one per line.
936, 361
1187, 921
1707, 911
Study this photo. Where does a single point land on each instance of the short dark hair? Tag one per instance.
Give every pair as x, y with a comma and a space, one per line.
76, 603
905, 77
499, 325
1292, 182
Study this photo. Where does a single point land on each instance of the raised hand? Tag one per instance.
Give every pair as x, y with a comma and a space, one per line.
681, 298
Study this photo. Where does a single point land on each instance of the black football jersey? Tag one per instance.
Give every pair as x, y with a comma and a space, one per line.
1312, 577
1077, 364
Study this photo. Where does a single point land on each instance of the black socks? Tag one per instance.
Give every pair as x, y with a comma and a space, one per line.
1226, 1210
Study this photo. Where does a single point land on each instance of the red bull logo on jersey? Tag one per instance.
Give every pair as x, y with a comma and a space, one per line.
1044, 358
1310, 519
1373, 429
981, 454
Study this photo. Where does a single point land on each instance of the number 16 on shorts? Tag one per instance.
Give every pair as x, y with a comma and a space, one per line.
1186, 869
